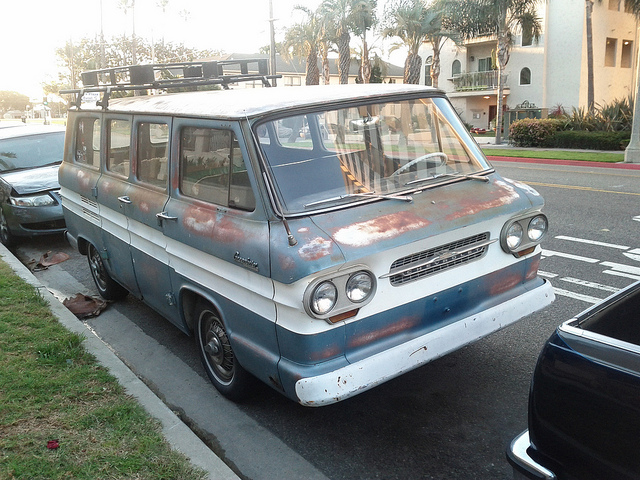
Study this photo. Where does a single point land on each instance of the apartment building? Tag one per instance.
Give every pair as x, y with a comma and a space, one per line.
545, 74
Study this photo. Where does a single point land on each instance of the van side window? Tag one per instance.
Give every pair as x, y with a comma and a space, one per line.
153, 142
88, 142
118, 149
213, 169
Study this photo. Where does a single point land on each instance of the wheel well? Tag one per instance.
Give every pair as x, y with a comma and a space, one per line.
189, 301
83, 246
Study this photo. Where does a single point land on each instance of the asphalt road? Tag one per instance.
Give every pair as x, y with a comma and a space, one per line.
450, 419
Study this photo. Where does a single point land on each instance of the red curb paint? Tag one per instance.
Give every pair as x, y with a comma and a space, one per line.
576, 163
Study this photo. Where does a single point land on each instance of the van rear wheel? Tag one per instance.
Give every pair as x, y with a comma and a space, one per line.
217, 355
108, 288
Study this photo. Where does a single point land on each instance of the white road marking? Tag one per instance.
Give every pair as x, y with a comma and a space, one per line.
551, 253
637, 218
547, 274
577, 296
622, 274
586, 283
633, 254
620, 267
592, 242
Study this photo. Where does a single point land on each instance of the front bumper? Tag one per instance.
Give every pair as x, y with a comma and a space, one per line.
362, 375
34, 221
525, 467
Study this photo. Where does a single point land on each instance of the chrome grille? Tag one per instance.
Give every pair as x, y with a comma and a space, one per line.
413, 267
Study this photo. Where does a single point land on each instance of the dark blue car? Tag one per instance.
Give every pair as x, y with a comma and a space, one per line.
29, 191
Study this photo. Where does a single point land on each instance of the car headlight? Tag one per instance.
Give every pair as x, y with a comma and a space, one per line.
520, 236
339, 295
33, 201
359, 287
537, 228
514, 236
324, 298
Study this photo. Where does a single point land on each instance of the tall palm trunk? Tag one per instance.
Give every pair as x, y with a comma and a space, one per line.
366, 63
412, 66
503, 59
313, 74
590, 88
435, 69
344, 57
324, 55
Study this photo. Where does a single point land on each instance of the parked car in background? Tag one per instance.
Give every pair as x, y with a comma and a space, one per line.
584, 413
29, 191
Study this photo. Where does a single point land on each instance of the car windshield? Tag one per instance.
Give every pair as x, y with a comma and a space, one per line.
332, 157
31, 151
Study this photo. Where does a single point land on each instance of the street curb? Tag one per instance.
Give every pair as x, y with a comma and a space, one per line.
179, 436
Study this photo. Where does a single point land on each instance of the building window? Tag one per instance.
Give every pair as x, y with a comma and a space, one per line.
527, 36
455, 68
610, 52
484, 64
525, 76
427, 72
627, 54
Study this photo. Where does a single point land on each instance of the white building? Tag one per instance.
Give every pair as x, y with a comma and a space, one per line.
550, 73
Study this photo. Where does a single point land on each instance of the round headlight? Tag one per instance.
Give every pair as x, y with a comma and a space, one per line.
537, 228
359, 287
324, 298
514, 235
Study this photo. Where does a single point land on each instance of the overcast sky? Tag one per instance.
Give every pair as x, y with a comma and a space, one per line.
33, 29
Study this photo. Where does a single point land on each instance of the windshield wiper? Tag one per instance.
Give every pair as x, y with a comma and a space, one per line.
452, 174
405, 198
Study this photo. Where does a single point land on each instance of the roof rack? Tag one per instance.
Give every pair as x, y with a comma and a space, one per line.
169, 75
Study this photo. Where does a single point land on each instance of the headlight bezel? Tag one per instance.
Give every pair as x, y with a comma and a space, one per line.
343, 281
33, 201
523, 224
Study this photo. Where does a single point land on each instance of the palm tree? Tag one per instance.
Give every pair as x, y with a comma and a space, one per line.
125, 5
632, 152
405, 20
500, 18
337, 15
363, 13
301, 39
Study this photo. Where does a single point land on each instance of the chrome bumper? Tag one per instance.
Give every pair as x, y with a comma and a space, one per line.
525, 467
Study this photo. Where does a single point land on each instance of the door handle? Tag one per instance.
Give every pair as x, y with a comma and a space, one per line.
164, 216
124, 199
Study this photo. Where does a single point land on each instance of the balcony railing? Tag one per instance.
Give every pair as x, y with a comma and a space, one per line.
467, 82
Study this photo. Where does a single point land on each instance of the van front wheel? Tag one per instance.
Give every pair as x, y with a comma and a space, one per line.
108, 288
217, 356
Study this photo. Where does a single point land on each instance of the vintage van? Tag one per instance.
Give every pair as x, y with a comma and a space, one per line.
321, 239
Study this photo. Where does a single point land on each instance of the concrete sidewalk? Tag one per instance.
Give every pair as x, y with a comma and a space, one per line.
179, 436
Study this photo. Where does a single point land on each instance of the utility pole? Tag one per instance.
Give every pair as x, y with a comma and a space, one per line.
272, 48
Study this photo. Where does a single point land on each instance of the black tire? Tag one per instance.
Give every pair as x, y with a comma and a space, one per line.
7, 239
217, 356
108, 288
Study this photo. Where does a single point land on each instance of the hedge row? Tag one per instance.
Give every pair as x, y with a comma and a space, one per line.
531, 132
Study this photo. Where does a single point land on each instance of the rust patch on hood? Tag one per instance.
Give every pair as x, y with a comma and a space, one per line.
503, 195
315, 249
363, 234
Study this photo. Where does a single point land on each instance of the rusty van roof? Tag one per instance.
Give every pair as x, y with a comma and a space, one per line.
254, 102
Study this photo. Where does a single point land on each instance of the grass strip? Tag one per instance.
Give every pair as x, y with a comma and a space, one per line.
52, 389
555, 154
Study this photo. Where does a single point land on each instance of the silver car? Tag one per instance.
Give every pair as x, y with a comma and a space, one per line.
29, 191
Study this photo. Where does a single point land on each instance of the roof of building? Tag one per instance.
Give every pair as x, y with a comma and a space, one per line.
250, 102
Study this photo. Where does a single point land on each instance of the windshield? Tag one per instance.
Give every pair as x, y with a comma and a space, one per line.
333, 157
31, 151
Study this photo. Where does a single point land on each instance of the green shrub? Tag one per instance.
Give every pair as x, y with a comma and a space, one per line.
531, 132
588, 140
